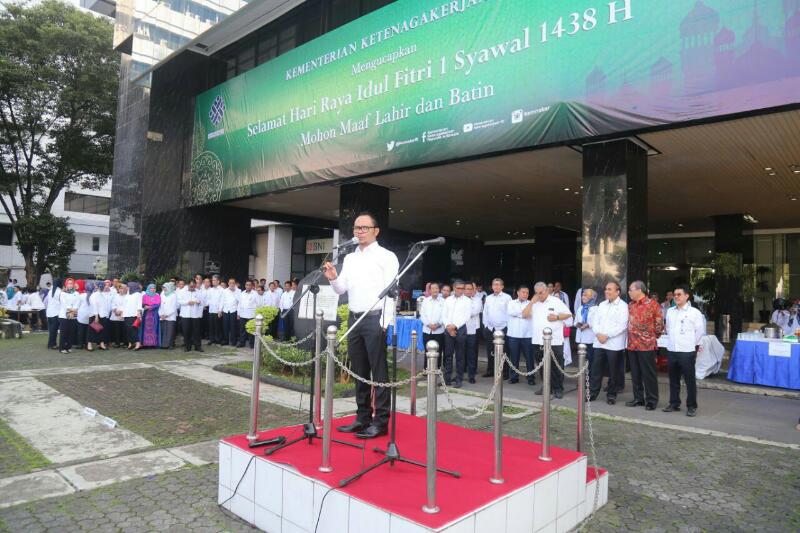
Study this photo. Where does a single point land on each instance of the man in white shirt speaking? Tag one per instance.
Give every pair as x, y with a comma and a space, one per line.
610, 325
365, 273
685, 328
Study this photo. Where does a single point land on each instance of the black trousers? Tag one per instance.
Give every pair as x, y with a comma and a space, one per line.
472, 355
455, 347
206, 324
192, 333
131, 331
682, 364
439, 338
366, 348
230, 329
244, 336
81, 335
67, 329
117, 331
517, 346
606, 360
288, 325
643, 376
52, 332
488, 338
214, 328
556, 377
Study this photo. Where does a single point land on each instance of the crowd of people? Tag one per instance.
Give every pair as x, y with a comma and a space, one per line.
95, 314
456, 315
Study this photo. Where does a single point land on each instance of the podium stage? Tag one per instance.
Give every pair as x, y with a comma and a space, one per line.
286, 493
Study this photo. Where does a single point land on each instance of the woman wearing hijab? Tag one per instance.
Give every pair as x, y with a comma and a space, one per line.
584, 309
168, 312
53, 305
69, 302
133, 314
85, 289
149, 331
101, 308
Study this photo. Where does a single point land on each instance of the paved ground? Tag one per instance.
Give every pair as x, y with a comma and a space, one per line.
666, 474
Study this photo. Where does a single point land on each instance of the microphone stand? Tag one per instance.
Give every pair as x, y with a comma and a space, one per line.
309, 428
392, 453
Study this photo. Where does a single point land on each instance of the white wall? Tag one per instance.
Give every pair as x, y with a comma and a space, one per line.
279, 253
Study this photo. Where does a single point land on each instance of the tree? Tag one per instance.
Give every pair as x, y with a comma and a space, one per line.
58, 98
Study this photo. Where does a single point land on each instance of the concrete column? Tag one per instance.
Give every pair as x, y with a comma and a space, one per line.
729, 248
614, 228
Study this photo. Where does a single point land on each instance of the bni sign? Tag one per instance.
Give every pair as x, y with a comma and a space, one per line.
319, 246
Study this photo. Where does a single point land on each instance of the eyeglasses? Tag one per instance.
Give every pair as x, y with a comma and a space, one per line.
362, 229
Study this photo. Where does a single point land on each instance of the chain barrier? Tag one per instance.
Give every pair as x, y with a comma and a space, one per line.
389, 385
294, 364
479, 411
564, 371
265, 339
520, 372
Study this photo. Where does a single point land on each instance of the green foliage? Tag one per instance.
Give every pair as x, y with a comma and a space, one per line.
269, 313
343, 313
127, 277
58, 100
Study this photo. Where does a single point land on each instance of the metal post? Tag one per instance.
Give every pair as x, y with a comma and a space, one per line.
432, 355
252, 435
413, 410
547, 339
318, 370
581, 396
497, 477
328, 424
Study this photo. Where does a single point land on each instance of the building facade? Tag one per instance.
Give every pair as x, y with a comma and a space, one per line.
584, 143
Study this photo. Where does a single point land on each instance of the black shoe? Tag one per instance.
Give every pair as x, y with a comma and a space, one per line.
611, 401
472, 380
355, 427
691, 412
371, 432
634, 403
487, 374
458, 384
671, 408
593, 398
240, 345
539, 391
559, 394
512, 381
532, 382
649, 407
199, 349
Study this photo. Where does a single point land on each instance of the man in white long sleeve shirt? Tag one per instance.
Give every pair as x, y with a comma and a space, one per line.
473, 326
286, 302
519, 334
457, 312
685, 328
431, 314
610, 325
230, 304
365, 273
214, 300
248, 303
495, 318
191, 302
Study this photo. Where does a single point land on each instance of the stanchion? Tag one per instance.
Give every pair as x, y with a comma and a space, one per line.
547, 340
581, 396
432, 355
497, 477
252, 434
413, 410
318, 369
327, 429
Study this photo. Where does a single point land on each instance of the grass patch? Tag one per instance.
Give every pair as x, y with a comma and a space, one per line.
166, 409
17, 456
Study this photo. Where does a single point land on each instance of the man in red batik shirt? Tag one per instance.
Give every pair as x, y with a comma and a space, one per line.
645, 326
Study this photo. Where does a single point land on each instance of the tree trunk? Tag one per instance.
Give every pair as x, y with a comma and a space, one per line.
30, 269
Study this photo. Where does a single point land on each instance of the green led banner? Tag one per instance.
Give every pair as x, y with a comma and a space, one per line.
424, 81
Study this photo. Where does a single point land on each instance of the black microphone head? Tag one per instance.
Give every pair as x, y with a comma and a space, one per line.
438, 241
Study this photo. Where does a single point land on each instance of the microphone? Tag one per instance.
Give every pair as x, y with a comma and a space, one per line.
438, 241
351, 242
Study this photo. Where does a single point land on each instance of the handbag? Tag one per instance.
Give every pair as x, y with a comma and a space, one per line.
137, 322
566, 332
97, 327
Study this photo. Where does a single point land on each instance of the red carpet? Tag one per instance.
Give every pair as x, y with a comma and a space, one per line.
401, 489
